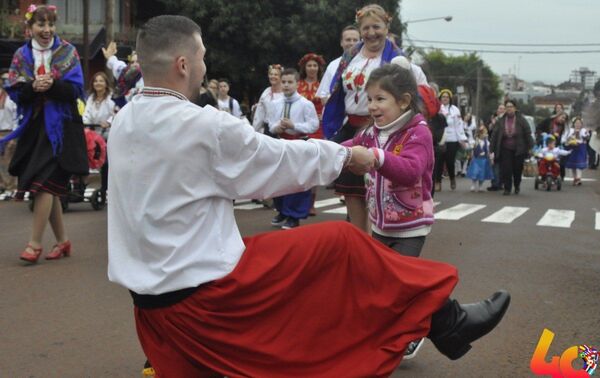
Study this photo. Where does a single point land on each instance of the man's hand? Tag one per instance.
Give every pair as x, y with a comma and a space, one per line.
110, 50
362, 160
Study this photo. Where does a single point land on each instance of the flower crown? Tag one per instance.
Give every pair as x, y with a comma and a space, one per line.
361, 12
311, 56
277, 67
32, 8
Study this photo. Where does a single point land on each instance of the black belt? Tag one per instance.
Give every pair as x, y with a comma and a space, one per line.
148, 301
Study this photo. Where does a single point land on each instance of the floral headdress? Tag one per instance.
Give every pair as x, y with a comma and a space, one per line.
311, 56
32, 8
277, 67
369, 10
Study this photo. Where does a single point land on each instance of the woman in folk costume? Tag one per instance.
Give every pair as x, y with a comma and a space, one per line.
45, 80
312, 67
349, 98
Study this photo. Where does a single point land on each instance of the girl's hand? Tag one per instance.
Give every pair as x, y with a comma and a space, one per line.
104, 125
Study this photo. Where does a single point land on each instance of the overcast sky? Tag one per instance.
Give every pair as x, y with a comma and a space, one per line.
513, 21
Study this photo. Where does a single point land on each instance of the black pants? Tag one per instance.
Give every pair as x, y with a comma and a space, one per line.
104, 177
447, 157
511, 168
404, 246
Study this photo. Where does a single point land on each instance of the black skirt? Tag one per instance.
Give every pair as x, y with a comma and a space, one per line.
348, 184
35, 165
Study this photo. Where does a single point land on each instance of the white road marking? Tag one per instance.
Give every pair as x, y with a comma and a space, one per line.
506, 215
458, 212
337, 210
597, 220
557, 218
327, 202
248, 206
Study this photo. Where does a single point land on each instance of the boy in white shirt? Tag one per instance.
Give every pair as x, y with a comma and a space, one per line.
227, 103
292, 117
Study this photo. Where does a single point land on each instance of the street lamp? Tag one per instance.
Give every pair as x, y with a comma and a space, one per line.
447, 19
405, 24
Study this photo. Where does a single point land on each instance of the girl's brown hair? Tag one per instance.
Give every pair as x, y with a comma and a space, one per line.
42, 13
397, 81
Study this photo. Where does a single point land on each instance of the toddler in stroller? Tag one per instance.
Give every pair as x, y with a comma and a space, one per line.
548, 166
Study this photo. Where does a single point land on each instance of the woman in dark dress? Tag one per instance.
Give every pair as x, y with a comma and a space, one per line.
45, 80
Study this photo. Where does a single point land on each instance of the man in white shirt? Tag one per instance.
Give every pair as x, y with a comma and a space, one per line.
321, 298
349, 37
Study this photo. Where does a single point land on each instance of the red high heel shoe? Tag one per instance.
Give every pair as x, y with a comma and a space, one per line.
31, 257
59, 250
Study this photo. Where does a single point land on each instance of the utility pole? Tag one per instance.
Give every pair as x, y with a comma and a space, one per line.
108, 20
86, 38
478, 94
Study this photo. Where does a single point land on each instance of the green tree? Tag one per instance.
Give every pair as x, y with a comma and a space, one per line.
453, 71
244, 37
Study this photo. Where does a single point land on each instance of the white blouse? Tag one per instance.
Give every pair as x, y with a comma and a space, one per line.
356, 100
260, 114
455, 131
97, 112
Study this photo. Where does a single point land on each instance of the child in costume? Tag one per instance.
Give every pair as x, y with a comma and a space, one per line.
576, 141
480, 168
549, 157
292, 117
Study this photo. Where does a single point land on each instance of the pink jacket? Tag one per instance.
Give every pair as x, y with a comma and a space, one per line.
399, 192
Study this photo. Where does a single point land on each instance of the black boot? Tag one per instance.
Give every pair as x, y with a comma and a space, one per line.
454, 327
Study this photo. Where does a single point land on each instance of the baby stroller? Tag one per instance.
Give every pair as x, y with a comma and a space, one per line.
548, 173
77, 190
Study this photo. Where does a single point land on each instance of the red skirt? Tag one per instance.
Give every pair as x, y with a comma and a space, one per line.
323, 300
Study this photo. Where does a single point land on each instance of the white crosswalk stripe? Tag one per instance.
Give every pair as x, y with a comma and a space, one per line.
506, 215
459, 211
557, 218
327, 202
597, 220
248, 206
338, 210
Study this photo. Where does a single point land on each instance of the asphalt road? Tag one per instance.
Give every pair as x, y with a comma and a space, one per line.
64, 319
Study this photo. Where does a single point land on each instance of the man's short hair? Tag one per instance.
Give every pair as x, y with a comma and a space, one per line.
291, 71
163, 38
349, 27
224, 80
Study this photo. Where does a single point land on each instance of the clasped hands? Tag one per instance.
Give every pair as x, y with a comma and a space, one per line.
362, 160
284, 124
42, 83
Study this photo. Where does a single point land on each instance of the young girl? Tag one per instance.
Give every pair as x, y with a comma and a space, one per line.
399, 188
398, 197
576, 140
480, 168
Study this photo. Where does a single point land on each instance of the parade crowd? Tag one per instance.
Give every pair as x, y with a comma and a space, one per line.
369, 124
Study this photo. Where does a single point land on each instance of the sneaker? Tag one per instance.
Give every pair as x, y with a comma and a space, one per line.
412, 349
473, 187
290, 223
493, 189
278, 220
